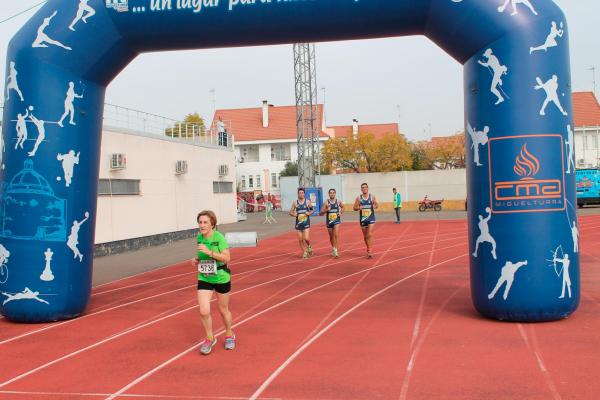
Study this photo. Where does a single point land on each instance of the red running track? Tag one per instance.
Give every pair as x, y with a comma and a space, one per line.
399, 326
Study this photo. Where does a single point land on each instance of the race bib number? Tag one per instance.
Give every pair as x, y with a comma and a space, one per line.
333, 216
365, 213
207, 267
302, 217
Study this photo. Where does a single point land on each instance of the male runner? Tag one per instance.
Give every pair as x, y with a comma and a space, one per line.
366, 203
301, 210
333, 208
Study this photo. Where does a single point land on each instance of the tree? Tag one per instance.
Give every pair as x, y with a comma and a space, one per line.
367, 154
448, 152
341, 153
290, 169
421, 156
192, 125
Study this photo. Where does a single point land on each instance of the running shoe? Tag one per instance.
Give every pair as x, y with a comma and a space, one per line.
207, 346
310, 250
305, 254
230, 342
335, 253
369, 254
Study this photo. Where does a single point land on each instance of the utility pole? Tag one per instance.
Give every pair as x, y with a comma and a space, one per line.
593, 69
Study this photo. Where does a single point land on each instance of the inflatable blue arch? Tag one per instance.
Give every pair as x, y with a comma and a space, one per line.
523, 235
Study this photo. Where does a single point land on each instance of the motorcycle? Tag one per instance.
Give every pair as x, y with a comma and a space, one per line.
426, 204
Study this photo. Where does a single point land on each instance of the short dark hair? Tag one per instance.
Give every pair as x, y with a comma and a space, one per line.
334, 191
301, 189
210, 214
364, 184
394, 189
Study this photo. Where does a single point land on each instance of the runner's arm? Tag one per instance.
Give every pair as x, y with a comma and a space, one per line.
293, 210
324, 209
224, 256
356, 205
341, 206
311, 209
375, 203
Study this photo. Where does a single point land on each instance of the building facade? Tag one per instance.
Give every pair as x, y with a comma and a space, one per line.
265, 140
586, 112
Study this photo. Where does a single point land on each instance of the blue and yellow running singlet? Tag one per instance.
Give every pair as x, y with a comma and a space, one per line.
333, 213
302, 218
367, 212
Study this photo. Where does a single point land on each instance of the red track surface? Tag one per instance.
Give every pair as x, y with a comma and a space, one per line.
400, 326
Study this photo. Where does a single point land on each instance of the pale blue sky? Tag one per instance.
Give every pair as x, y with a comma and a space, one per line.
366, 79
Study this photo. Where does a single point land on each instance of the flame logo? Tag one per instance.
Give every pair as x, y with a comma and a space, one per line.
526, 164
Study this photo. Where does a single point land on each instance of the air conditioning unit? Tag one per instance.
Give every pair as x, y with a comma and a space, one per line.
223, 170
118, 161
181, 167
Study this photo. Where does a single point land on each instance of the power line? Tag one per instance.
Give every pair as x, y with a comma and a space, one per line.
23, 12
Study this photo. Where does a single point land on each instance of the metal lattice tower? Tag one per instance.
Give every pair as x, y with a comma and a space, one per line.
307, 123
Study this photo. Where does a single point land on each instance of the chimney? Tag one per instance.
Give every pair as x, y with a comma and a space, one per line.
355, 128
265, 112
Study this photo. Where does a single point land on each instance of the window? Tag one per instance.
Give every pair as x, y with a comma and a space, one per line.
243, 181
595, 141
249, 153
274, 180
118, 187
257, 181
222, 187
250, 181
280, 152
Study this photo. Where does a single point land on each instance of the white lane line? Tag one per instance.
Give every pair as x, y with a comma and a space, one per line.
417, 326
138, 327
287, 362
195, 346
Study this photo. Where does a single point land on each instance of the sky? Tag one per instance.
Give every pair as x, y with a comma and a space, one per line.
407, 80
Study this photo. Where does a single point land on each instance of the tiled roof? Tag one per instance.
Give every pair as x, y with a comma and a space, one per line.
246, 123
378, 130
586, 110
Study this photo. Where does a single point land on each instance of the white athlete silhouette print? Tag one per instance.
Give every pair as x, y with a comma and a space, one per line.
551, 89
21, 129
26, 294
11, 82
575, 236
485, 236
570, 143
43, 40
40, 125
68, 163
4, 255
73, 239
566, 283
507, 274
497, 70
514, 3
478, 138
69, 108
47, 275
551, 39
84, 12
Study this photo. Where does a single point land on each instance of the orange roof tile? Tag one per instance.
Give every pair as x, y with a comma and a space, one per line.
586, 110
378, 130
246, 123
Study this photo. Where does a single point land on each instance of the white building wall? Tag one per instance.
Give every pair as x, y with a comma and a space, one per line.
587, 147
168, 202
412, 185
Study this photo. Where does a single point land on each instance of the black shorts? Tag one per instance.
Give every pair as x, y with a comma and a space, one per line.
221, 288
